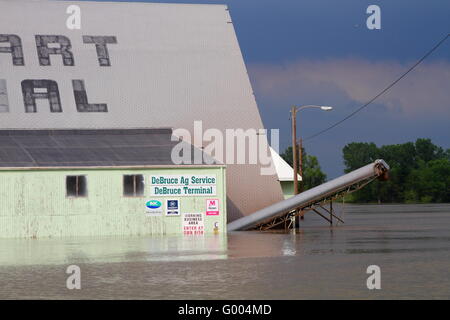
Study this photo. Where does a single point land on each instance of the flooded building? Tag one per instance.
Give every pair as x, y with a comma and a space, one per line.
105, 182
78, 66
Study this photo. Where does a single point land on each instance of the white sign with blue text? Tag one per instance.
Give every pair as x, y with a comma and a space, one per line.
183, 185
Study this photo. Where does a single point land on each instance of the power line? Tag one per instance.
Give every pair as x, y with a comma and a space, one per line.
382, 92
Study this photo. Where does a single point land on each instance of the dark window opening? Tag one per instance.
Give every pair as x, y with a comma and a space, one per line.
76, 186
133, 185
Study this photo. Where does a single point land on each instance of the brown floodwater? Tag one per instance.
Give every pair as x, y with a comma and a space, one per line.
410, 244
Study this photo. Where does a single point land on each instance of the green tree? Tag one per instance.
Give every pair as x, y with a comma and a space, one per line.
402, 158
419, 171
312, 173
287, 155
358, 154
427, 151
430, 182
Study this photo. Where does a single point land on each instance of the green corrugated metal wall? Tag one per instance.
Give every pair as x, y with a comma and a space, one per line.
288, 188
34, 204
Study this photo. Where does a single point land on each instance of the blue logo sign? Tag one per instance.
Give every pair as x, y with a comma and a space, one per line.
153, 204
172, 205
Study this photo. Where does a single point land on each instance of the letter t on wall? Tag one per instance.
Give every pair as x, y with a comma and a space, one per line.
101, 43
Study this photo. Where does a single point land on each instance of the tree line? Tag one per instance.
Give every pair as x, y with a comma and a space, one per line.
420, 172
312, 173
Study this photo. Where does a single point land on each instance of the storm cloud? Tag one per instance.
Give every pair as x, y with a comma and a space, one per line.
423, 91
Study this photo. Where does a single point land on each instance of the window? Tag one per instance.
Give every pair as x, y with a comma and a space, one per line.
76, 186
133, 185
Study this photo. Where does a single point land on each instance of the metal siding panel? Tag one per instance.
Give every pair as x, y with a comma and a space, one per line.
14, 155
35, 205
7, 142
173, 64
33, 141
94, 148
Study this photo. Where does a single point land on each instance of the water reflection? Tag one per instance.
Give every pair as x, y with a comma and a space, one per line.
364, 233
111, 249
289, 246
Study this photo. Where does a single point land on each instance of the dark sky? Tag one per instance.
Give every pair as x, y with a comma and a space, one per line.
320, 52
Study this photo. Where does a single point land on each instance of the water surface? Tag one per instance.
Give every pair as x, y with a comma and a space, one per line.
410, 243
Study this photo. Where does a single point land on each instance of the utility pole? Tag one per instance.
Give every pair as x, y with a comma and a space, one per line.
300, 150
294, 155
294, 148
297, 151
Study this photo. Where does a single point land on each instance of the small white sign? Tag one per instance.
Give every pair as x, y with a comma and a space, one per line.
193, 224
212, 207
153, 208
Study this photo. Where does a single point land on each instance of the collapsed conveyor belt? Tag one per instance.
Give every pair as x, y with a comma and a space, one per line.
317, 196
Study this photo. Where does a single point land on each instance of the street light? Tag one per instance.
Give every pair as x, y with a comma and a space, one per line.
294, 110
